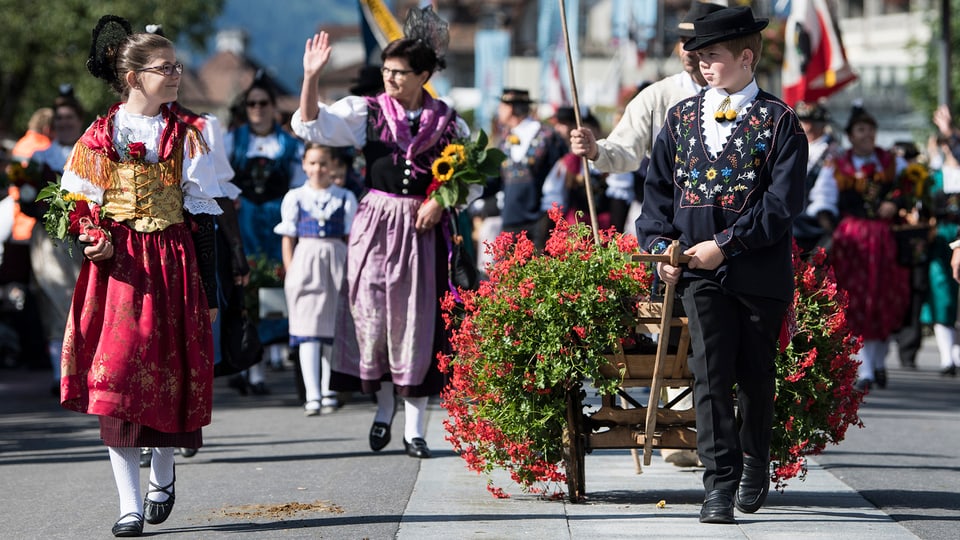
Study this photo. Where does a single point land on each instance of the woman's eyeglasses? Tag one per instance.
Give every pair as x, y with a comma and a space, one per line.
167, 70
260, 103
398, 73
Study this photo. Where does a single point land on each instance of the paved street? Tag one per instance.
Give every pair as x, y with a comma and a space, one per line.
269, 472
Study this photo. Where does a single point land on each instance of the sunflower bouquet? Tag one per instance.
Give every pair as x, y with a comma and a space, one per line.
463, 162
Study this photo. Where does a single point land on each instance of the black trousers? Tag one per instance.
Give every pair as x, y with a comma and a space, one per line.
734, 346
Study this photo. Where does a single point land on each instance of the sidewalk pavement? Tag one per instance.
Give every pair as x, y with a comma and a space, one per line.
449, 501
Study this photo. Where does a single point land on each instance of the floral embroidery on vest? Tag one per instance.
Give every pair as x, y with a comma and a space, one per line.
728, 180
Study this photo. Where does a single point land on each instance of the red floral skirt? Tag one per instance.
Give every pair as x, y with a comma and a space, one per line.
865, 262
138, 345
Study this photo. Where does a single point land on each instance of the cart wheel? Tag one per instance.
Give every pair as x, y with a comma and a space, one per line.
574, 447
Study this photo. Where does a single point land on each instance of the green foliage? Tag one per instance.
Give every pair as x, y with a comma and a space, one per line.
45, 43
922, 87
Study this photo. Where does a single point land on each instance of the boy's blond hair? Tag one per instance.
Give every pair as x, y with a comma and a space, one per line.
754, 42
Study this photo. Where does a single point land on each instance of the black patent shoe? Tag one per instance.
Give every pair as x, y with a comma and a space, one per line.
417, 448
188, 452
379, 436
158, 512
130, 528
862, 385
754, 485
949, 371
146, 455
717, 507
880, 377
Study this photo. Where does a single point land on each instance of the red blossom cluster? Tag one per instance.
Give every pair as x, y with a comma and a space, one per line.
816, 400
539, 325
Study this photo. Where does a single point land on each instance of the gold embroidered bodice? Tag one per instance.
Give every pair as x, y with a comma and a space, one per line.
146, 196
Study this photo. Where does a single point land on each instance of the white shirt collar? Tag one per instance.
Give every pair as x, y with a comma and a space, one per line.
738, 100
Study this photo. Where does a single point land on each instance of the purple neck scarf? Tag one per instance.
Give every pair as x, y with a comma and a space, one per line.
433, 123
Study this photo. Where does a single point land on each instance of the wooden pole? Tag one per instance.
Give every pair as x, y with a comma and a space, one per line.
584, 164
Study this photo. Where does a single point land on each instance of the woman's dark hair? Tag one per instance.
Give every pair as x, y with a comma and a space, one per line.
66, 98
416, 52
260, 83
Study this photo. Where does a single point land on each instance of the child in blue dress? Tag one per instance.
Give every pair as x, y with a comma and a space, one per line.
315, 222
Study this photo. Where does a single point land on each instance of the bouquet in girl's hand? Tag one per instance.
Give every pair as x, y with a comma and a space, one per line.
71, 214
463, 162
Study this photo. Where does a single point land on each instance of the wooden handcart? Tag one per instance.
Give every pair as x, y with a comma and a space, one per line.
647, 427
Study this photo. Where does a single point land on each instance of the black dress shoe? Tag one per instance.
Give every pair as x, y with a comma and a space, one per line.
259, 389
238, 383
130, 528
862, 385
754, 485
880, 377
949, 371
158, 512
417, 448
379, 436
717, 507
188, 452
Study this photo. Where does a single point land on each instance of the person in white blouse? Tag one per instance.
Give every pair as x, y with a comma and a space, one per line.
394, 280
138, 348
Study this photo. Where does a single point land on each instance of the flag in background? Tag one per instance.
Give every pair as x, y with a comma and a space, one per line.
814, 62
491, 53
554, 73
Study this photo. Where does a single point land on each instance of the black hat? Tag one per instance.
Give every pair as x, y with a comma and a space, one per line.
859, 115
515, 95
697, 9
724, 25
564, 115
369, 82
812, 112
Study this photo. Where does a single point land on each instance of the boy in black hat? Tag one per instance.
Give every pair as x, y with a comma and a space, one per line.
726, 180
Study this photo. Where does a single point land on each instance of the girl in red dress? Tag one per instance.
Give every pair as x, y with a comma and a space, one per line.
138, 349
864, 250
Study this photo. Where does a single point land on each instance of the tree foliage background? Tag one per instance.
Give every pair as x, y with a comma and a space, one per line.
923, 85
45, 43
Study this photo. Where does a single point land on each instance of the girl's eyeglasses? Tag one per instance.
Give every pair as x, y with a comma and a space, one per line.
167, 70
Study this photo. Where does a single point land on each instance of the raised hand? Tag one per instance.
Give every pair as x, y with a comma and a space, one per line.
316, 54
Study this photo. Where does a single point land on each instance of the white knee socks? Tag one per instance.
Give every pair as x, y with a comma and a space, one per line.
946, 342
310, 368
415, 419
161, 472
872, 356
126, 473
329, 396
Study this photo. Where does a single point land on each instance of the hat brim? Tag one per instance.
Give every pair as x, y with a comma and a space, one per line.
699, 42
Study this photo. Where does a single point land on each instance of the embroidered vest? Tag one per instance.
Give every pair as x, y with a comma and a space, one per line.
728, 180
146, 196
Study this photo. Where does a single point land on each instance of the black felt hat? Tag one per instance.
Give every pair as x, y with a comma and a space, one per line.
812, 112
724, 25
515, 95
697, 9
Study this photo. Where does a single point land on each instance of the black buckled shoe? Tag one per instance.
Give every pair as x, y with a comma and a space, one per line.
130, 528
754, 484
379, 436
417, 448
158, 512
717, 507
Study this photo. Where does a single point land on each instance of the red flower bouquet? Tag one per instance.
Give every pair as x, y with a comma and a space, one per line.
815, 401
539, 324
